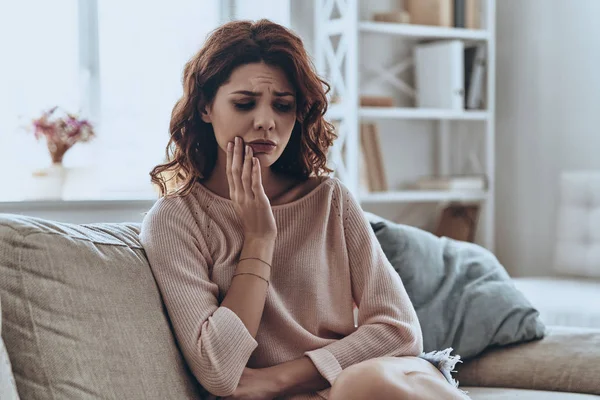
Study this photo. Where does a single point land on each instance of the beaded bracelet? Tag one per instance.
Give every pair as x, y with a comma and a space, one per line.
250, 273
254, 258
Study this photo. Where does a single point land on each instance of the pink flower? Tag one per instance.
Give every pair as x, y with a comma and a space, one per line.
62, 131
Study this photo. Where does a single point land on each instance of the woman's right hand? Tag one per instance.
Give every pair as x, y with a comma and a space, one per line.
247, 192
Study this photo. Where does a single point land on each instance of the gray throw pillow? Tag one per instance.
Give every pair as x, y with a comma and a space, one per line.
463, 296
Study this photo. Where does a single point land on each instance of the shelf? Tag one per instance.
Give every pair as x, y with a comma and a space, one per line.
424, 31
354, 53
336, 111
423, 196
420, 113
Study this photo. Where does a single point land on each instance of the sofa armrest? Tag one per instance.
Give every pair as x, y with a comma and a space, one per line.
567, 359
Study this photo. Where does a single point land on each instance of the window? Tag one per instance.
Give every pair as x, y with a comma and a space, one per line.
119, 62
38, 68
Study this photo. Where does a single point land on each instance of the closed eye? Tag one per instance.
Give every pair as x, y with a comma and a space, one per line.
244, 106
283, 107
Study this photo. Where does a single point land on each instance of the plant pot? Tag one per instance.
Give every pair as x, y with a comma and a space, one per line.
49, 182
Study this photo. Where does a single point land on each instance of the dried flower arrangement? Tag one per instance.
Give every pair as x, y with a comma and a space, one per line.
62, 131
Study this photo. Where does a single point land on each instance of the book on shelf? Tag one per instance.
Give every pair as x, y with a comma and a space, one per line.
473, 14
439, 74
445, 13
459, 13
397, 17
453, 182
469, 62
373, 167
431, 12
363, 174
376, 101
474, 77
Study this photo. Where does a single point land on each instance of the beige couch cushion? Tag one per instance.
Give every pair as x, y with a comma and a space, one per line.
566, 360
476, 393
8, 388
83, 318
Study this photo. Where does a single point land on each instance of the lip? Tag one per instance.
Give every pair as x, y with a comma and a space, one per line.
261, 147
262, 141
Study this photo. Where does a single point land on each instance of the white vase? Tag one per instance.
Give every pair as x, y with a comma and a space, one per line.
48, 183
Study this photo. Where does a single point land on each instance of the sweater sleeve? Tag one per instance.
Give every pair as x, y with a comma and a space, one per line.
387, 320
213, 339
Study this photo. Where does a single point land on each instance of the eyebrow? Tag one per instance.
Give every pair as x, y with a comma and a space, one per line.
256, 94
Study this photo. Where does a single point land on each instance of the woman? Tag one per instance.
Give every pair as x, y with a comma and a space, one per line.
258, 254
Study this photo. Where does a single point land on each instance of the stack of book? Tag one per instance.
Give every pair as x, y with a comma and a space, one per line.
447, 13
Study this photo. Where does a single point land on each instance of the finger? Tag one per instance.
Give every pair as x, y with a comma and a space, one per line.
255, 177
257, 186
236, 166
228, 168
247, 173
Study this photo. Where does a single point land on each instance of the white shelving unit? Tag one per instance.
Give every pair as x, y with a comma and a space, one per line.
421, 31
423, 196
342, 62
337, 112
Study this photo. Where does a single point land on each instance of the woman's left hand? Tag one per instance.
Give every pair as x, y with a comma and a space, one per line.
255, 384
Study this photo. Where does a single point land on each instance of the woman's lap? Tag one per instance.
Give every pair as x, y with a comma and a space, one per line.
392, 377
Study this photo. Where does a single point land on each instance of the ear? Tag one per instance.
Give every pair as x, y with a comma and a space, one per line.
205, 113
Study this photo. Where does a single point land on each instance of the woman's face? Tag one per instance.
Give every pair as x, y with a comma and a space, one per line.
257, 103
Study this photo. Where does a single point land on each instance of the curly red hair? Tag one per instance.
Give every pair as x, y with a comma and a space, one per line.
192, 149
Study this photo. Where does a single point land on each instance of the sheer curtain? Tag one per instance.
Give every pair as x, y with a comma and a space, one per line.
38, 69
141, 50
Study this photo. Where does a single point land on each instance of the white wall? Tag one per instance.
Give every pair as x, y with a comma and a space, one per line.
274, 10
548, 119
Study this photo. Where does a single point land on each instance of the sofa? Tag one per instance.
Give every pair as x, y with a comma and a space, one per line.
82, 318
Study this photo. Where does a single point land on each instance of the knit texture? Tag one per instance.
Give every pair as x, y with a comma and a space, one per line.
326, 259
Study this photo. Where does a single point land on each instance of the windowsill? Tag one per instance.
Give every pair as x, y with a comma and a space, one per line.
81, 188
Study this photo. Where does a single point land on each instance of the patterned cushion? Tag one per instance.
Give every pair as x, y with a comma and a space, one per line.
83, 317
577, 250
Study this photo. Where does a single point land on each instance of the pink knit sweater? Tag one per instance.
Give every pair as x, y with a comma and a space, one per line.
326, 256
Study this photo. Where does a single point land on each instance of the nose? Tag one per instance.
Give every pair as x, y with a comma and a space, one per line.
264, 119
